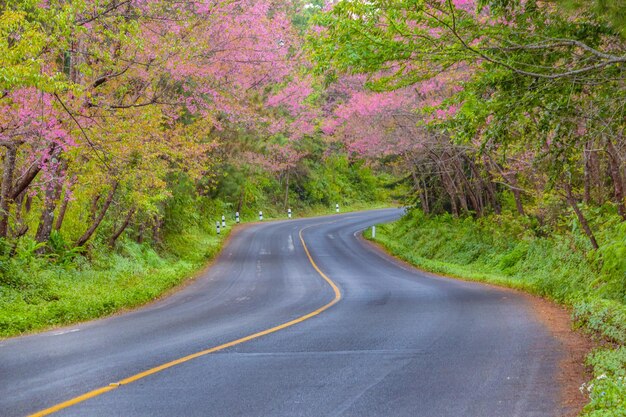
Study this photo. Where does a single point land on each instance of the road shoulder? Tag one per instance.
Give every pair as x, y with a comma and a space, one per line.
557, 319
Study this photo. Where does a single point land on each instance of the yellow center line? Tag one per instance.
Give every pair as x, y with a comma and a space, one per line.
133, 378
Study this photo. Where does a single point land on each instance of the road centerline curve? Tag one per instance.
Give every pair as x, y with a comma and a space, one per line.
133, 378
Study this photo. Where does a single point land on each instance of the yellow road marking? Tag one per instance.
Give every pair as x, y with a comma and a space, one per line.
133, 378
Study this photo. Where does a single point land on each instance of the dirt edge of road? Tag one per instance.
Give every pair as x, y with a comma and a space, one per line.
557, 319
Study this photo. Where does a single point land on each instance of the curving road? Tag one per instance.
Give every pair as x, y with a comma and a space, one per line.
398, 343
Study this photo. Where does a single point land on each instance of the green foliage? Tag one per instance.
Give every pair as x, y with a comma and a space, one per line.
611, 11
35, 293
607, 394
27, 31
613, 255
606, 317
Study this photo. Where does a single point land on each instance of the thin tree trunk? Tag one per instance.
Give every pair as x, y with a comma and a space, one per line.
26, 179
453, 190
473, 197
47, 215
458, 188
492, 192
20, 228
579, 214
64, 203
121, 229
142, 228
52, 195
616, 176
451, 193
62, 210
6, 188
587, 172
94, 207
518, 201
424, 197
156, 229
103, 211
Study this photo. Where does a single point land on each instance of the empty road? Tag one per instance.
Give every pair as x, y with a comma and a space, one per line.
387, 341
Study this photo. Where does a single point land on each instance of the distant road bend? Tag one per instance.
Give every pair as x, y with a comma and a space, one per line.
398, 343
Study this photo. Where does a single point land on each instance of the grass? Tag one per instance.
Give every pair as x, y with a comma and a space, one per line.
45, 294
38, 293
507, 251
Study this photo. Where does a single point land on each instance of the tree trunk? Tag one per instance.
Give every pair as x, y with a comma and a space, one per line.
20, 227
581, 218
156, 228
473, 191
616, 177
458, 188
121, 229
424, 197
26, 179
64, 203
451, 193
6, 188
518, 202
453, 189
492, 192
62, 210
51, 199
47, 215
103, 211
587, 172
142, 228
94, 207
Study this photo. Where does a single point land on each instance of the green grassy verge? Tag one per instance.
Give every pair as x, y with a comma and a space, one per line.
43, 293
506, 251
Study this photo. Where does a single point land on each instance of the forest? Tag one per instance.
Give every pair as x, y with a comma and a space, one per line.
129, 127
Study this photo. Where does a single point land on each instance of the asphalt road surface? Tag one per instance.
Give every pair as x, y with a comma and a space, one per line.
398, 343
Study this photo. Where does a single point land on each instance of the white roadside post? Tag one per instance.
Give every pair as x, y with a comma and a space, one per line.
237, 217
217, 227
289, 213
373, 232
337, 207
223, 221
260, 215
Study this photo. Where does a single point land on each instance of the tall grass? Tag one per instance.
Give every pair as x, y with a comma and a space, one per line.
44, 294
